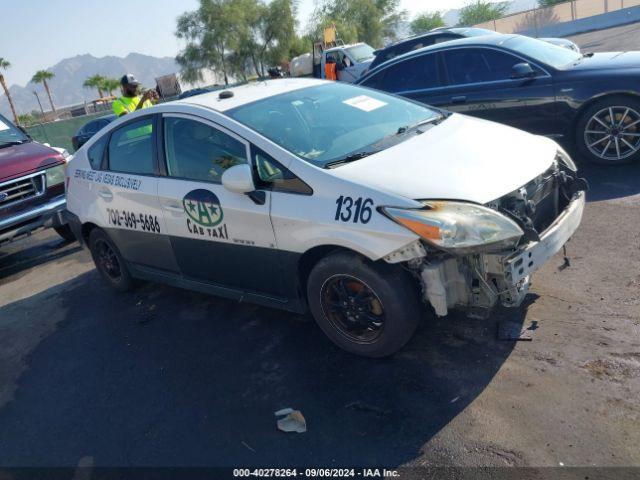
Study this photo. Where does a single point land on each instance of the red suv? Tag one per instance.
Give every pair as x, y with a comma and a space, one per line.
31, 185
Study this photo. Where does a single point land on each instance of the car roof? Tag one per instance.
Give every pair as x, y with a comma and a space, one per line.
249, 92
491, 40
340, 47
109, 117
431, 33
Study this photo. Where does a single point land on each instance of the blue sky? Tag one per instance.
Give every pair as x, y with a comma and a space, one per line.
37, 34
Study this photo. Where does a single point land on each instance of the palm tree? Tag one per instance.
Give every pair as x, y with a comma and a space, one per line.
111, 84
4, 64
41, 76
95, 81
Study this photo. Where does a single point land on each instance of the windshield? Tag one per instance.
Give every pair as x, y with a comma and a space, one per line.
328, 122
361, 53
10, 134
553, 55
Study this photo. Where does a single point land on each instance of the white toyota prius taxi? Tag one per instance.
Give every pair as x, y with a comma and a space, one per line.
309, 195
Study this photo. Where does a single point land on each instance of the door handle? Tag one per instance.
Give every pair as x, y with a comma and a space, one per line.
459, 99
106, 194
174, 208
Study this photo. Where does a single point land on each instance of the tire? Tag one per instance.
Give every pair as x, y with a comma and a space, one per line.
65, 232
109, 262
619, 137
383, 304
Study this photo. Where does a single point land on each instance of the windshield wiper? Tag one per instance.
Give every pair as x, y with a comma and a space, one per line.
421, 123
12, 143
587, 55
352, 157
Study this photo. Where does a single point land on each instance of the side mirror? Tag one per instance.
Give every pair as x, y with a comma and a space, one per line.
238, 179
522, 70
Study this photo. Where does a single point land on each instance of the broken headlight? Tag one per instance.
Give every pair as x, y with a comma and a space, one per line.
458, 227
563, 158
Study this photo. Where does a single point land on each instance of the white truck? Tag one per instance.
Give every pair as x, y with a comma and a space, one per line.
351, 60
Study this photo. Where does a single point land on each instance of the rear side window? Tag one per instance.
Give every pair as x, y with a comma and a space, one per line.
417, 73
131, 148
96, 152
197, 151
477, 65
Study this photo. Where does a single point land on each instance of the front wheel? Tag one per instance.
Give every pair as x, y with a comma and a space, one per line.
370, 309
609, 131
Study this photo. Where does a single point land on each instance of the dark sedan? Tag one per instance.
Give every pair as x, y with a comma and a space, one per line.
592, 99
89, 129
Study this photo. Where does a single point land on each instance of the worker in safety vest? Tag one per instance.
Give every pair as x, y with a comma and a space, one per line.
330, 68
130, 101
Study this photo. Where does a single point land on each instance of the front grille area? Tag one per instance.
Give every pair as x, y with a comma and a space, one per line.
538, 203
21, 189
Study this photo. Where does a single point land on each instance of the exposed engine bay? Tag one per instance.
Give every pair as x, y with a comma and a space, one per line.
548, 209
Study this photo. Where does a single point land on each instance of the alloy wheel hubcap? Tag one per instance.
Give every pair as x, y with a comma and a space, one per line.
353, 308
613, 133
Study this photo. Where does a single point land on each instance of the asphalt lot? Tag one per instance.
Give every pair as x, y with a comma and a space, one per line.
167, 377
626, 37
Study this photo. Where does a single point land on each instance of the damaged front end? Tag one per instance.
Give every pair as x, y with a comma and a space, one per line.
490, 264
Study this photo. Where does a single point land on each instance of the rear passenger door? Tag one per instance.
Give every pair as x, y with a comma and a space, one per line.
126, 192
219, 237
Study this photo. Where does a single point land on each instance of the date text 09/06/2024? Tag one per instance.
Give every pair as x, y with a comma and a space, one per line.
316, 472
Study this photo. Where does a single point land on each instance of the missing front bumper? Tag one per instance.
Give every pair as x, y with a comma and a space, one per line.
479, 282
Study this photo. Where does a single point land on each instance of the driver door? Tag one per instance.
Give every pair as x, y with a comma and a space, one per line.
218, 237
479, 83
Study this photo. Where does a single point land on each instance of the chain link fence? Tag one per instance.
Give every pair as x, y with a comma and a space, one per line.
59, 133
538, 18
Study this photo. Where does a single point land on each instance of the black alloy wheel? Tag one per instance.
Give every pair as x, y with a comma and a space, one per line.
108, 261
369, 308
353, 308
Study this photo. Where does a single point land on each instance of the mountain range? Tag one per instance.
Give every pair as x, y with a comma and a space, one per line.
70, 73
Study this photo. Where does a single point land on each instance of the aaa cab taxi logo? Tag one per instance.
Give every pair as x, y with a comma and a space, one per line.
205, 213
203, 207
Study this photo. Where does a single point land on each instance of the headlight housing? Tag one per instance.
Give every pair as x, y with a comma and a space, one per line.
458, 227
563, 157
55, 175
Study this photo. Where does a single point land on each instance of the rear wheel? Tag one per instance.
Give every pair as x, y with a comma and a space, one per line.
609, 131
109, 262
65, 232
366, 308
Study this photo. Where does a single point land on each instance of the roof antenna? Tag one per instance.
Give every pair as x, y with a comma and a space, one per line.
225, 94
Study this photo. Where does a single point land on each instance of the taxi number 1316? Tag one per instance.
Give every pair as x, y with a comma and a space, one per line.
358, 210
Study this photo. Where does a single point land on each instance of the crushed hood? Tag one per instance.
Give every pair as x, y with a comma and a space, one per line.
463, 158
